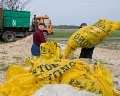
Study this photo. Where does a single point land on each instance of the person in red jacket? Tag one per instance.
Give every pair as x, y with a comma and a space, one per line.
38, 38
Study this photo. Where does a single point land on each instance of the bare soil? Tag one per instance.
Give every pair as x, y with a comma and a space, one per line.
108, 53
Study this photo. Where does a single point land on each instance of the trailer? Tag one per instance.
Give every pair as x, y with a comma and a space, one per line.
13, 22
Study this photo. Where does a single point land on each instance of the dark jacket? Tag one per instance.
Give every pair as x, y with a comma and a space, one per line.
86, 52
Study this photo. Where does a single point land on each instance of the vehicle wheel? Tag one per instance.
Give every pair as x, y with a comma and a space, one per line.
0, 37
8, 36
45, 34
26, 34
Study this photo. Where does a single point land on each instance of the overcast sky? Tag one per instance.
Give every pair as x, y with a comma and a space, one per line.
74, 12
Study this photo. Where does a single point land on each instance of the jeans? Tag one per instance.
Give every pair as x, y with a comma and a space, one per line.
35, 50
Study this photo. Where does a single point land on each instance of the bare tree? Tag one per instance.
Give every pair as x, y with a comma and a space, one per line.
13, 4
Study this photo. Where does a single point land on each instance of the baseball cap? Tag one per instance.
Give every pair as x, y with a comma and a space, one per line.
42, 24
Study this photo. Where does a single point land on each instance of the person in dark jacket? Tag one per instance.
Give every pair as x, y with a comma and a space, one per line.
38, 38
86, 52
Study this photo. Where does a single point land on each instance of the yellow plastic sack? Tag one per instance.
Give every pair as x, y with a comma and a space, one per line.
50, 69
30, 60
90, 36
15, 70
51, 49
19, 82
82, 77
116, 92
103, 73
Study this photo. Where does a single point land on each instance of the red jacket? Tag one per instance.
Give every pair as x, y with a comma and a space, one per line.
38, 37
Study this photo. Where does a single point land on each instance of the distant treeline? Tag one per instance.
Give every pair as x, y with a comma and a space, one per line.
65, 27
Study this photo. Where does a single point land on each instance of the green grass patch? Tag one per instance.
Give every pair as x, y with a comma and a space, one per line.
62, 33
115, 34
2, 42
3, 52
66, 33
114, 37
17, 59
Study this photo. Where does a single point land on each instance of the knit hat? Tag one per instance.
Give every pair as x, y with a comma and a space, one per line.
83, 25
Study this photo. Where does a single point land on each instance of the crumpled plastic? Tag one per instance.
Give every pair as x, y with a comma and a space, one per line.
90, 36
18, 84
51, 49
78, 74
81, 76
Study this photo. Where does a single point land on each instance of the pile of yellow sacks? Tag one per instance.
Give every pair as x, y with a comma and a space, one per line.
52, 67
